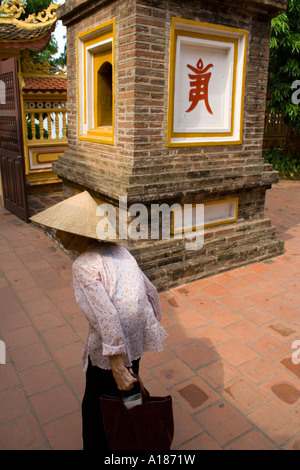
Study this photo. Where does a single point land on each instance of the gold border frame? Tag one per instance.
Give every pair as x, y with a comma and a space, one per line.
234, 219
205, 35
102, 32
206, 134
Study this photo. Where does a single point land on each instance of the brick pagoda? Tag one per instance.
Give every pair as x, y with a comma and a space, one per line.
132, 150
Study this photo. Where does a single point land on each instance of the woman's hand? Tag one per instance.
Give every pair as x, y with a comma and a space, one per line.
122, 376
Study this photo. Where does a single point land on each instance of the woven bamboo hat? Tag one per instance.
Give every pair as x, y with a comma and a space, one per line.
75, 215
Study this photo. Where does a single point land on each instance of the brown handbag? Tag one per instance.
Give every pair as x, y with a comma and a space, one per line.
149, 426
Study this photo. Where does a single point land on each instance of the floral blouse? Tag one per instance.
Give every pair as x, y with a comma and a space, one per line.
120, 303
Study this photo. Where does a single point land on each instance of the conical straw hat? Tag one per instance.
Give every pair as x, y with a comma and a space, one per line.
76, 215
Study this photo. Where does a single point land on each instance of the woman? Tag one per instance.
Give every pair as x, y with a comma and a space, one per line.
119, 302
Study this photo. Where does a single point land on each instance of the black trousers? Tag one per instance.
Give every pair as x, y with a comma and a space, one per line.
98, 382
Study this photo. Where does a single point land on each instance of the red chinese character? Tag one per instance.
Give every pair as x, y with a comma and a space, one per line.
199, 85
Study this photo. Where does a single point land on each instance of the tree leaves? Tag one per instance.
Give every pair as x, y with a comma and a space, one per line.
47, 55
284, 65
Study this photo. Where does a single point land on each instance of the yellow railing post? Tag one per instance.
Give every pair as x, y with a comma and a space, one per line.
55, 125
64, 113
41, 126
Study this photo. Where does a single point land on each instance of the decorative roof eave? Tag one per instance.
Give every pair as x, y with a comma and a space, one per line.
34, 45
33, 33
24, 25
48, 93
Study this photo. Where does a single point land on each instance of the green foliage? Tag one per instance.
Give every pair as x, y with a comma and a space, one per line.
284, 65
47, 55
37, 129
287, 164
35, 6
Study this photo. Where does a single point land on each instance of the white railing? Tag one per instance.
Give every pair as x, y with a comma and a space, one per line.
46, 122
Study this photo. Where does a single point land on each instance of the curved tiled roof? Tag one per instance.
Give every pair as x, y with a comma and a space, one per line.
32, 33
14, 30
45, 84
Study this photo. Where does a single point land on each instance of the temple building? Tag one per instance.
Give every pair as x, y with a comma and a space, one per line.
166, 109
33, 112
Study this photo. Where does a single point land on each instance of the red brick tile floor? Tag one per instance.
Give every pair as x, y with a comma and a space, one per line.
228, 359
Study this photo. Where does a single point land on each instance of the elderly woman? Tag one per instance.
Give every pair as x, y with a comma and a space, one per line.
119, 302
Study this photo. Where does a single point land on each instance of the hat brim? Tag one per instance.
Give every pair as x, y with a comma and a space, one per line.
76, 215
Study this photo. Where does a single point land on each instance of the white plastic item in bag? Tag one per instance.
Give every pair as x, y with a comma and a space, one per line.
133, 400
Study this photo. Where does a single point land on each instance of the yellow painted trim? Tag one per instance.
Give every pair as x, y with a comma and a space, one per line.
45, 143
101, 131
243, 85
44, 181
34, 175
22, 25
89, 32
101, 37
174, 135
88, 38
55, 152
207, 25
170, 122
173, 44
234, 219
204, 144
98, 139
230, 133
8, 53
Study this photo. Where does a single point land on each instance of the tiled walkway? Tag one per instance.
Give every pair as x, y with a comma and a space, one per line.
227, 360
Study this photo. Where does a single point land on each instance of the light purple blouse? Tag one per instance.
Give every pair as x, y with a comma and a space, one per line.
120, 303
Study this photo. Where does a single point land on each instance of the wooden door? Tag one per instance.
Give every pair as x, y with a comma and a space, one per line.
11, 142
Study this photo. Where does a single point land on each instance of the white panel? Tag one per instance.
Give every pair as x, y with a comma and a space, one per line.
219, 212
219, 58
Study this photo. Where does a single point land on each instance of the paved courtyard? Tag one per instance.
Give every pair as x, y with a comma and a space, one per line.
227, 360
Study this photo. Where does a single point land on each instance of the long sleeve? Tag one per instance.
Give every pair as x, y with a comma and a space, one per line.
94, 301
153, 297
121, 305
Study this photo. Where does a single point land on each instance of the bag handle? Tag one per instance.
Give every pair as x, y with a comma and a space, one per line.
144, 392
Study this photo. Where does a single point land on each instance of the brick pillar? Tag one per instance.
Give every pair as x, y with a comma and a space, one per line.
141, 166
